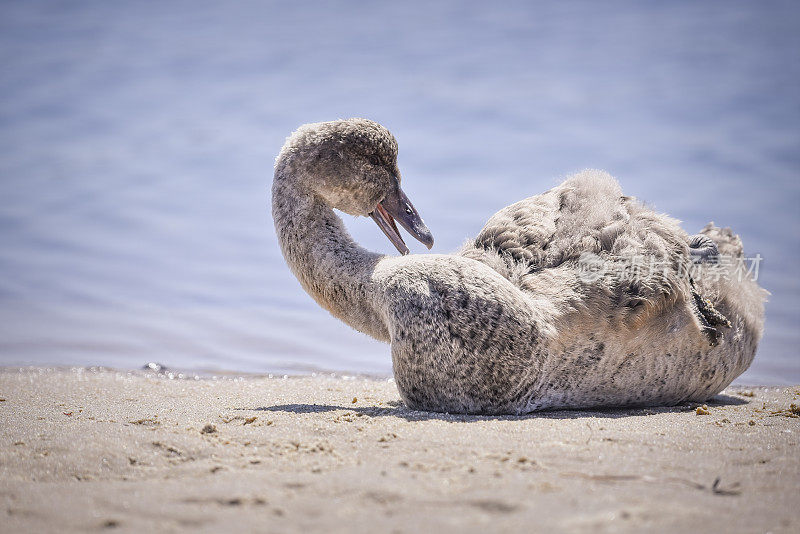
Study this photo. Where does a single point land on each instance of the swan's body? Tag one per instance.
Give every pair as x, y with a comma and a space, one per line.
513, 323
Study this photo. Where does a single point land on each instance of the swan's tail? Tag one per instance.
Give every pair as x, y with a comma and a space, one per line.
727, 243
727, 284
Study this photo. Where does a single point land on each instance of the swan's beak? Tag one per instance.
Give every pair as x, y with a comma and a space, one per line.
397, 207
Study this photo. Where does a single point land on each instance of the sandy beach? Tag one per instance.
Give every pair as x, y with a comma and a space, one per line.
92, 450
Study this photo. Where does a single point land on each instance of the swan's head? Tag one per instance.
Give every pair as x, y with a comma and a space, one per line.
352, 165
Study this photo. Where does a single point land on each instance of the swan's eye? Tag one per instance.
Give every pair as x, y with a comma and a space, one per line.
375, 160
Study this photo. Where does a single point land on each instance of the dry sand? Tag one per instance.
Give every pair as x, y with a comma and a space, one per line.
84, 450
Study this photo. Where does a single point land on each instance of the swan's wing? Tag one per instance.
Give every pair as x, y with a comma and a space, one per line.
587, 213
588, 216
523, 231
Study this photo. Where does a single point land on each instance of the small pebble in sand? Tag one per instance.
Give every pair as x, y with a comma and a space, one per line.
208, 429
702, 410
751, 422
355, 400
747, 394
250, 420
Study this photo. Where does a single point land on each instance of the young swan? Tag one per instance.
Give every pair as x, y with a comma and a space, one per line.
575, 298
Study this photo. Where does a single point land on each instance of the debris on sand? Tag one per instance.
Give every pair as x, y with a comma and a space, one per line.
717, 490
702, 410
209, 429
147, 421
792, 411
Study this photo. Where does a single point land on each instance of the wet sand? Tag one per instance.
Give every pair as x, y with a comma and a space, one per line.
84, 450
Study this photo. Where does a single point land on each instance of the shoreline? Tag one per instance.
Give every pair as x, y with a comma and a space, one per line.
184, 373
97, 449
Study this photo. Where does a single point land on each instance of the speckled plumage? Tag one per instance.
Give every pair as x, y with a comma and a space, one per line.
511, 323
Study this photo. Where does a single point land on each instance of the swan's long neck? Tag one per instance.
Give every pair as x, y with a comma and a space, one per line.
330, 266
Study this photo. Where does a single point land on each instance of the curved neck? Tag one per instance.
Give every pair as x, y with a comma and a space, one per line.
330, 266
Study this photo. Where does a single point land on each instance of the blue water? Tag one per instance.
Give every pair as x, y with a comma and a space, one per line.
137, 142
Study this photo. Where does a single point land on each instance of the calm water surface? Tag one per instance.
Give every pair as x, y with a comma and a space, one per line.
137, 143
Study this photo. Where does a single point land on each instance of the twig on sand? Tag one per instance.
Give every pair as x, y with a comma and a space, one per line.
715, 487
